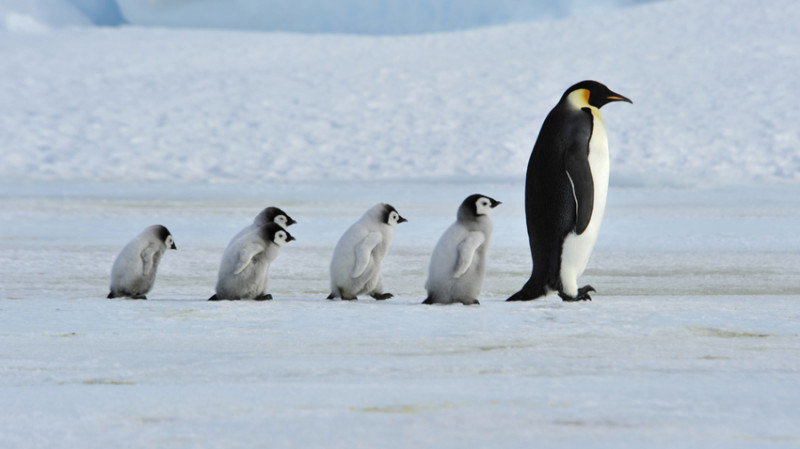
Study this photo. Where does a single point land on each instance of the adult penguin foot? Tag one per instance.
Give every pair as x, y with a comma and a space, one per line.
583, 294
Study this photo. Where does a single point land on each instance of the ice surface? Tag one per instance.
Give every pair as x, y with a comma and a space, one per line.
710, 87
691, 340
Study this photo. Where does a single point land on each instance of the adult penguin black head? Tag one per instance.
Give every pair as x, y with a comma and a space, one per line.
593, 93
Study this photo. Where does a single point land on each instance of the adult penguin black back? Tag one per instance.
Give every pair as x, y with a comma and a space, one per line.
565, 192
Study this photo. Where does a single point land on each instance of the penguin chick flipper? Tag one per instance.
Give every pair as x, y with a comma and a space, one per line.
363, 253
466, 252
245, 256
148, 255
583, 294
382, 296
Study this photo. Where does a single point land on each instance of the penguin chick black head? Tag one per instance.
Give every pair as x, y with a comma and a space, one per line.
275, 233
591, 93
476, 205
163, 233
391, 217
274, 215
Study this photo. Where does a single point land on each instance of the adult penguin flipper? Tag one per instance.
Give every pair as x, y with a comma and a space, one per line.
576, 164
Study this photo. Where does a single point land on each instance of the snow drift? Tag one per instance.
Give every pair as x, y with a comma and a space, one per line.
711, 89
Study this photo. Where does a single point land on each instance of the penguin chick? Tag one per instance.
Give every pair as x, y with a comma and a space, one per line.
565, 192
245, 263
134, 271
458, 262
356, 263
268, 215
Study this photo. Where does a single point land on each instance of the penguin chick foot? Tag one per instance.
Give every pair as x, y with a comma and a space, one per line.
331, 297
264, 297
583, 294
138, 297
470, 302
382, 296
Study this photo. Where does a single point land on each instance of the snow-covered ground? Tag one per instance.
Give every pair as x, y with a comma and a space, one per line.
712, 90
691, 341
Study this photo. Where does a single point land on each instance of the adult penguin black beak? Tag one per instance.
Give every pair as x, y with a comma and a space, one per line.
613, 96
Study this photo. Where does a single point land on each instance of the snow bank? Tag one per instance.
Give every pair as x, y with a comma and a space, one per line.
353, 16
39, 15
308, 16
711, 89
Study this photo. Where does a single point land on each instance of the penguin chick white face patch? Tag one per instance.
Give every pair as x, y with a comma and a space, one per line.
483, 206
281, 220
169, 241
281, 238
394, 219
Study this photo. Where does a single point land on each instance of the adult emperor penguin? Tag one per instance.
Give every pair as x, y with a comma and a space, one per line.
565, 192
356, 262
268, 215
134, 271
458, 262
245, 263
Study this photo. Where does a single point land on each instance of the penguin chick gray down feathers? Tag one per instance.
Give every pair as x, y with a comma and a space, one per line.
134, 271
356, 264
458, 262
245, 263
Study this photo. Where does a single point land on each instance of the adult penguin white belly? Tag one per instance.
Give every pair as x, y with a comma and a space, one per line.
577, 248
565, 192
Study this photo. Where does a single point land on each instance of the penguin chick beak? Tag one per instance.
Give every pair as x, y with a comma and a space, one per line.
290, 221
496, 203
290, 238
401, 220
173, 246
